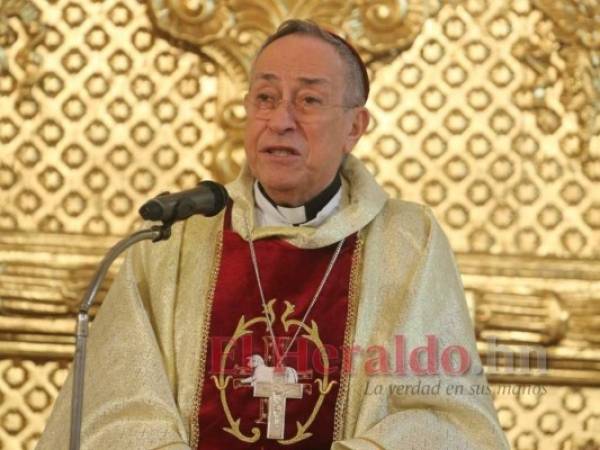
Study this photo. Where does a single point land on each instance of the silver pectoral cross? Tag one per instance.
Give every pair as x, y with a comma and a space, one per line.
277, 392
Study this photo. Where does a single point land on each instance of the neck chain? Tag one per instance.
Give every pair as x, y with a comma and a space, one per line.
280, 356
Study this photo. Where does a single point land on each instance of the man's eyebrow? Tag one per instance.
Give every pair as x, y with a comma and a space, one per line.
266, 76
312, 81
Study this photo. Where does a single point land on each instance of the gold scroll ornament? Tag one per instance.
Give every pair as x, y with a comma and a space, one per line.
567, 46
27, 58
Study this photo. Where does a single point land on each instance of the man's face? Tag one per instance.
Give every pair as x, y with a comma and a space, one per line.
294, 158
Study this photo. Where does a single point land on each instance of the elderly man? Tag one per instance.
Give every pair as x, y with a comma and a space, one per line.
313, 313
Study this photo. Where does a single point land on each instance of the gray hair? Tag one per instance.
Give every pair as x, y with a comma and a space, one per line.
357, 89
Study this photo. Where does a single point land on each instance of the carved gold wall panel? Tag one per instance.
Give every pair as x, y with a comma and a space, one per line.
487, 111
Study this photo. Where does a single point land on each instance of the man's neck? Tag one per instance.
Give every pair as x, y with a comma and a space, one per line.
306, 212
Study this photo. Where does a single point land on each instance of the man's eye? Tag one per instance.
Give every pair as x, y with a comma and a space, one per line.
263, 98
311, 100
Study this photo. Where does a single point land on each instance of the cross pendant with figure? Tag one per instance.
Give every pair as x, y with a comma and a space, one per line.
277, 392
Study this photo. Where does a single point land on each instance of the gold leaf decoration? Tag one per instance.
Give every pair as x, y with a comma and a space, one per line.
391, 25
27, 58
577, 31
578, 21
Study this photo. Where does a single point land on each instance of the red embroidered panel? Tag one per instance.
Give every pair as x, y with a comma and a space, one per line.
238, 332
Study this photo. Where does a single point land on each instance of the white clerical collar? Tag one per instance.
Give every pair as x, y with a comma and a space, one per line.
269, 214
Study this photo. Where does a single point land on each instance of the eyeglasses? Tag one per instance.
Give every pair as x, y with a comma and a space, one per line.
307, 107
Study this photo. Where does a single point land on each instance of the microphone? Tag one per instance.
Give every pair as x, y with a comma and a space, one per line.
207, 199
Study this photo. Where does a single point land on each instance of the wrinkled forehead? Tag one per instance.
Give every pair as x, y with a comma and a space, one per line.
299, 59
274, 79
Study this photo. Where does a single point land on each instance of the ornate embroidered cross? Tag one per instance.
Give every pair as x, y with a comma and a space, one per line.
305, 376
277, 391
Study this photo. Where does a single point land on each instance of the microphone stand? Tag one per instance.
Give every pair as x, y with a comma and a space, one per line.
156, 233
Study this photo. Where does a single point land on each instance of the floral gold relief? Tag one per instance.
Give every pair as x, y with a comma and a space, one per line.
28, 59
578, 21
391, 25
568, 47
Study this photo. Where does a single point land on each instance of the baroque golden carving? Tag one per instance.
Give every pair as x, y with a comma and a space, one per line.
27, 57
388, 26
238, 28
567, 50
535, 321
42, 282
578, 21
528, 317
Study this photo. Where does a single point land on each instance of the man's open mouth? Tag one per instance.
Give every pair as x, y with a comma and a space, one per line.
281, 151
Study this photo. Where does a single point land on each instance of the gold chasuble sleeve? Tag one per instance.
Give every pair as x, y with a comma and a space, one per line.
412, 300
143, 349
129, 401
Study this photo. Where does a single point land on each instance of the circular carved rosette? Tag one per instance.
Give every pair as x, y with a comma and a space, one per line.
390, 25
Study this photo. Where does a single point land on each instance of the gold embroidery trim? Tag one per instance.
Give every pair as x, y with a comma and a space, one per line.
221, 382
204, 338
353, 292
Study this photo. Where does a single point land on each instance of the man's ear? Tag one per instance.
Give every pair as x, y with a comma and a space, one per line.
359, 125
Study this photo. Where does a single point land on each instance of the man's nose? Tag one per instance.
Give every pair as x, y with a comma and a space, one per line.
283, 117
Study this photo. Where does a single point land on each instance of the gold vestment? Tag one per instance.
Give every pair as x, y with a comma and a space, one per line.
145, 352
